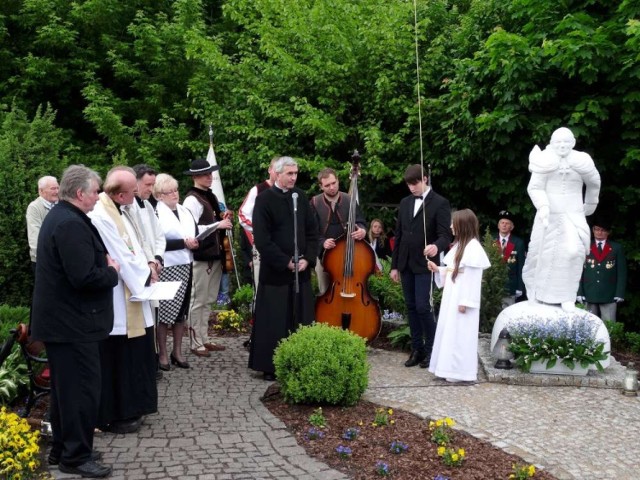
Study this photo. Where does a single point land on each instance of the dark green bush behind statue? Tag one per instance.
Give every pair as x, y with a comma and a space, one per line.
322, 364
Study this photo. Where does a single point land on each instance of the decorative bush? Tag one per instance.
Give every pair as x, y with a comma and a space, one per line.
322, 364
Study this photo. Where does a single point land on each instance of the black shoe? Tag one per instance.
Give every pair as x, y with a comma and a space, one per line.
90, 469
54, 457
165, 367
414, 359
178, 363
269, 377
123, 426
425, 363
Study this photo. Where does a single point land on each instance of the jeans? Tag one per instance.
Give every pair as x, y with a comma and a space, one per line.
416, 289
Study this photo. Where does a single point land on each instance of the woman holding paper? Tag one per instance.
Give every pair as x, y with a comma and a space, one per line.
180, 231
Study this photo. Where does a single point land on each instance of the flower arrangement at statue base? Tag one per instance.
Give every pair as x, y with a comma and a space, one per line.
570, 342
19, 447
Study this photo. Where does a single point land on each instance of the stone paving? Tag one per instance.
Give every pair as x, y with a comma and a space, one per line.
212, 425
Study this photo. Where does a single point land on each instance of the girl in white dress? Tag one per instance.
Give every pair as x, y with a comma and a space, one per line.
455, 348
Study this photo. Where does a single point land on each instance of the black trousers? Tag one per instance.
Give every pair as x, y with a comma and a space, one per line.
75, 396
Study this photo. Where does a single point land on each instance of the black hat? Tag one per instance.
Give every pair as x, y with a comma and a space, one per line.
200, 166
602, 222
505, 214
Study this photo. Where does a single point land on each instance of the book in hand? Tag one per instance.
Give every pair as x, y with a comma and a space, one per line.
157, 291
205, 233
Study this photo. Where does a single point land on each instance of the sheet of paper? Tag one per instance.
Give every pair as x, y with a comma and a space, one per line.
157, 291
205, 233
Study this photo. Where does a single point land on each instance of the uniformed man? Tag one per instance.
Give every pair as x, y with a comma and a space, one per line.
513, 254
604, 277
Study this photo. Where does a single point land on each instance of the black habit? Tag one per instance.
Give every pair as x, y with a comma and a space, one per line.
278, 310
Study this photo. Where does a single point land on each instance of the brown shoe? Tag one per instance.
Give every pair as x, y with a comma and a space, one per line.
200, 353
212, 347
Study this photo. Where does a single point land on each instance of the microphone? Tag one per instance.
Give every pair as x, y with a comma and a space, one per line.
294, 196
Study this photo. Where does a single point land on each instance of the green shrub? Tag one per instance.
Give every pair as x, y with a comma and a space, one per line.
242, 300
388, 292
10, 317
322, 364
616, 334
633, 340
494, 281
401, 337
13, 376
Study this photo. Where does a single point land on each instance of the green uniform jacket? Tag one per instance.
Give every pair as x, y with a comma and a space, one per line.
604, 275
513, 255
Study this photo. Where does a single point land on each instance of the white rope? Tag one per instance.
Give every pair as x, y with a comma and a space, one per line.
424, 219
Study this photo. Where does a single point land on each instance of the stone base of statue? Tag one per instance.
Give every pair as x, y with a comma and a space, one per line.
526, 311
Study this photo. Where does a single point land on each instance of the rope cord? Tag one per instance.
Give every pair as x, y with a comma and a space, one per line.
424, 220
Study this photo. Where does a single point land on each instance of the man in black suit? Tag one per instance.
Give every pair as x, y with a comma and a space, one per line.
72, 313
413, 243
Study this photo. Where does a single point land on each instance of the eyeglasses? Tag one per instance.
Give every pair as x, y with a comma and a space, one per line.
170, 192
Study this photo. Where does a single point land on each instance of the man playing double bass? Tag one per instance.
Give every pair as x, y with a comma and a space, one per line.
331, 210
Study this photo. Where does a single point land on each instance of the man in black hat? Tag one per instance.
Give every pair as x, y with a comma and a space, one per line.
207, 259
513, 254
604, 276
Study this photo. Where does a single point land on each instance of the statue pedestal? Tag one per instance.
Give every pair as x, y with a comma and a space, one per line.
525, 311
558, 369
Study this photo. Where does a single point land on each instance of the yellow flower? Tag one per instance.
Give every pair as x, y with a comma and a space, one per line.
392, 422
441, 451
449, 422
531, 471
360, 423
461, 452
432, 424
454, 457
439, 423
390, 411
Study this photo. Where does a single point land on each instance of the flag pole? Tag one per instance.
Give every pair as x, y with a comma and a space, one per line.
216, 187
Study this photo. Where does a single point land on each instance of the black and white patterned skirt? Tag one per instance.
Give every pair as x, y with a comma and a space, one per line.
172, 311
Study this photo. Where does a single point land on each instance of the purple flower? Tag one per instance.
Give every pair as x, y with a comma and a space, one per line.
351, 433
382, 468
398, 447
314, 434
343, 451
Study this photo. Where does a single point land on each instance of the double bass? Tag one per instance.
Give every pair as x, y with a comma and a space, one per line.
347, 302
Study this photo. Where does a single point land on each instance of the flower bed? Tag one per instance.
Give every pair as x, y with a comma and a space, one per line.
570, 340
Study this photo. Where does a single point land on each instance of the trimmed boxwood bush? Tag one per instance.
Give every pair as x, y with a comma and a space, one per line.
322, 364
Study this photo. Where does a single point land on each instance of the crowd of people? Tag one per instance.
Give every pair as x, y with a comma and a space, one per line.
96, 250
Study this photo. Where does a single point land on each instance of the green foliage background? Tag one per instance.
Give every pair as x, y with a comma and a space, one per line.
112, 81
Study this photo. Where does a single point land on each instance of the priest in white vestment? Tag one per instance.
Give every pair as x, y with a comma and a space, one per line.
129, 365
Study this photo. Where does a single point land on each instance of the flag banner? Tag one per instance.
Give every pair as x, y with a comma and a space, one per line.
216, 186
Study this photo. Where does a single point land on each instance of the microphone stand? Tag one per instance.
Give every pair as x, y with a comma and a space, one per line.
296, 253
296, 259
